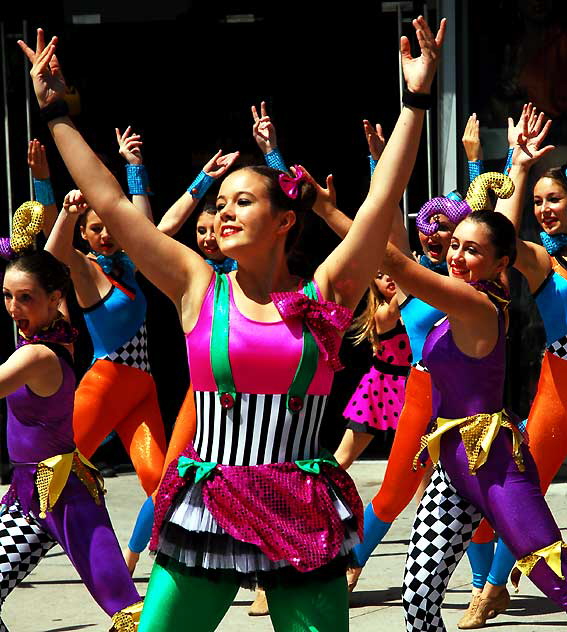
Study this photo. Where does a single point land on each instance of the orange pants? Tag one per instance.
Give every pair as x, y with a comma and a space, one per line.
547, 421
400, 480
118, 397
183, 430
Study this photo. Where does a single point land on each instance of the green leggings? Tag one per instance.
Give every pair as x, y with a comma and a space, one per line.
178, 601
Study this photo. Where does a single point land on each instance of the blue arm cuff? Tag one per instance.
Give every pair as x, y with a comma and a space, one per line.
476, 167
138, 181
373, 164
508, 164
200, 185
275, 160
44, 191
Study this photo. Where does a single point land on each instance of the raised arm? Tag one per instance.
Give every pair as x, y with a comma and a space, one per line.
451, 296
130, 148
175, 269
264, 133
473, 148
39, 167
181, 210
345, 274
532, 259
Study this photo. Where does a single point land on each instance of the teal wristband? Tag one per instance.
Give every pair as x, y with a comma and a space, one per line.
508, 164
275, 160
373, 163
138, 181
43, 191
200, 185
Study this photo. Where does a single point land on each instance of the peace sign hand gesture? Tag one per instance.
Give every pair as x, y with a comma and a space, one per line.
48, 81
263, 130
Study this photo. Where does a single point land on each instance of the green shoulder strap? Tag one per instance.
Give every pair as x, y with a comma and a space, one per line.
220, 361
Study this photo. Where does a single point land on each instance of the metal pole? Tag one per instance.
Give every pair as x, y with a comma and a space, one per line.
6, 127
405, 209
428, 134
28, 103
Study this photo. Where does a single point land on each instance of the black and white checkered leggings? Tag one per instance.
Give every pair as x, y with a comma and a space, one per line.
23, 542
442, 530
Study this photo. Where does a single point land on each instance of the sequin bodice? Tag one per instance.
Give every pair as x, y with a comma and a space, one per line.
41, 427
461, 385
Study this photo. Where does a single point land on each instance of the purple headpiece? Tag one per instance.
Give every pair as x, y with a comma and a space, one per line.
455, 210
290, 184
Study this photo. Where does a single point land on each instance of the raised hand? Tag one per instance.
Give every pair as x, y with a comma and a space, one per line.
535, 128
420, 71
218, 165
471, 139
528, 117
326, 197
129, 146
374, 138
37, 160
263, 130
75, 203
48, 81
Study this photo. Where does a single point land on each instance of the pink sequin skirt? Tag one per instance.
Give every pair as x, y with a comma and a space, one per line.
254, 520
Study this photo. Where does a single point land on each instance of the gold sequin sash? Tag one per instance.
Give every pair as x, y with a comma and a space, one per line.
551, 554
127, 619
478, 432
52, 474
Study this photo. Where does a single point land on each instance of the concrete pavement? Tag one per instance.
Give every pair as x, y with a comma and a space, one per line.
53, 599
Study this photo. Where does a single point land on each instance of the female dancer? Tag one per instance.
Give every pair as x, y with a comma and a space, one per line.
485, 469
545, 272
401, 482
376, 403
245, 385
56, 495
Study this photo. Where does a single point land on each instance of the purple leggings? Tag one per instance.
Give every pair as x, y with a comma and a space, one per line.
512, 502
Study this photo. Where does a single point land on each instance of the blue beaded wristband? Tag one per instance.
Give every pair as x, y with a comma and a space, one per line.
44, 191
373, 162
508, 164
138, 181
200, 185
476, 167
275, 160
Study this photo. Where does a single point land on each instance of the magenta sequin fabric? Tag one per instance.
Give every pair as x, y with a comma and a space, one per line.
286, 512
455, 210
323, 318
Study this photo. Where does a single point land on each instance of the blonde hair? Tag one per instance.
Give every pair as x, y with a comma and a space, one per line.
364, 326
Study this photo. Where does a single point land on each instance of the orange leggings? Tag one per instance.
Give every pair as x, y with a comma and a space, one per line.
118, 397
547, 421
183, 430
400, 480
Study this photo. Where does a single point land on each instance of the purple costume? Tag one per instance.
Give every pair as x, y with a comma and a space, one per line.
39, 429
464, 388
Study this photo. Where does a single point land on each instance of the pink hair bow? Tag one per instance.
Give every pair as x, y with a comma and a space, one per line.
290, 184
323, 318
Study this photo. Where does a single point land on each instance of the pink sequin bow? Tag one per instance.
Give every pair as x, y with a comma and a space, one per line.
324, 319
290, 184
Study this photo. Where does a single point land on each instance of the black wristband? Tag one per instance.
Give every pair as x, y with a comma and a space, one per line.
54, 110
417, 100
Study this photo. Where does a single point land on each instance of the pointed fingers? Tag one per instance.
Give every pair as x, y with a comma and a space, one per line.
255, 114
263, 111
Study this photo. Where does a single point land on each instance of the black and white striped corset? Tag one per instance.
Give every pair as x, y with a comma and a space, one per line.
258, 429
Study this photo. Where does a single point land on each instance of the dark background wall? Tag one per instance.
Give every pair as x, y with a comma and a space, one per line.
185, 77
